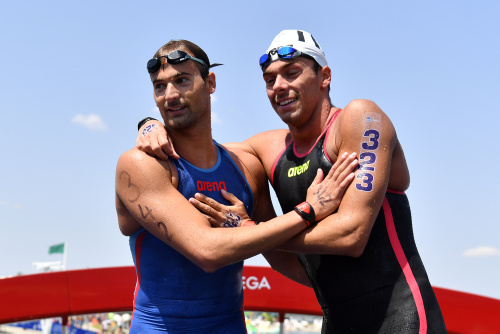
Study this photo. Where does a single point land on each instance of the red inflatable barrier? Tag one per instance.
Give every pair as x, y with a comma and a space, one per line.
73, 292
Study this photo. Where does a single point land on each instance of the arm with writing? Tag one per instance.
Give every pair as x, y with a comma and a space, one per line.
362, 127
146, 197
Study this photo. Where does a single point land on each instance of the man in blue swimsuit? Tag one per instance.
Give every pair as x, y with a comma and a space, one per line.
189, 275
362, 261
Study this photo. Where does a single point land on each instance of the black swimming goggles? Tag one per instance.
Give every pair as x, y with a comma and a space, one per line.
174, 57
284, 52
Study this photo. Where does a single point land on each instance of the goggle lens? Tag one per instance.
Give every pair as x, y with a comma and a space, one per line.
285, 52
264, 59
153, 65
177, 56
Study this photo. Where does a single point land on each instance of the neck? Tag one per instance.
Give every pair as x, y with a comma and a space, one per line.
195, 145
306, 135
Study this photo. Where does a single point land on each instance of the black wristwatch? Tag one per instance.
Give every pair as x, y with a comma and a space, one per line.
144, 121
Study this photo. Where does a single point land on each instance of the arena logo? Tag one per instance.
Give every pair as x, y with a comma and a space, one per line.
299, 169
210, 186
253, 283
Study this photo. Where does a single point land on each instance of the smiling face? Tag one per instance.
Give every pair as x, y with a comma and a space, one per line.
294, 89
181, 94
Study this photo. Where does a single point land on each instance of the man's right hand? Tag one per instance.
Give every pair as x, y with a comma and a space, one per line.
153, 139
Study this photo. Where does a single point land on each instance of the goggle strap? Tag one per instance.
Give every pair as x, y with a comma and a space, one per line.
154, 64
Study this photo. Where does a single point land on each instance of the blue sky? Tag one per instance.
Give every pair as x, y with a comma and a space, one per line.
73, 85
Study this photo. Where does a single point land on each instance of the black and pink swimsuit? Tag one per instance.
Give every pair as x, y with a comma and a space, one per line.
386, 289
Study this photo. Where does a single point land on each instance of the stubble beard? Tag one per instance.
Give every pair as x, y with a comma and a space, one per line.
181, 122
291, 116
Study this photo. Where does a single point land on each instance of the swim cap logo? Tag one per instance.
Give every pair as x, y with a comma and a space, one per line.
299, 169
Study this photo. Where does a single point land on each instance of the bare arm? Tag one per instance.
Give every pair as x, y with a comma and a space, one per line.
146, 195
285, 263
323, 195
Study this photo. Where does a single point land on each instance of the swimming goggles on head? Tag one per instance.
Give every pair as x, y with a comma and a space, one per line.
174, 57
284, 52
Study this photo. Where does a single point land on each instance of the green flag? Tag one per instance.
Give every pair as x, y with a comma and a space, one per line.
59, 248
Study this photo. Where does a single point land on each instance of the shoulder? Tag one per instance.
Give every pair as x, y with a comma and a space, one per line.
240, 152
260, 143
268, 145
138, 163
134, 158
269, 140
274, 135
359, 120
361, 115
358, 109
248, 162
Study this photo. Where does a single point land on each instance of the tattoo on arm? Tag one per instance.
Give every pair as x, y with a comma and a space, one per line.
131, 186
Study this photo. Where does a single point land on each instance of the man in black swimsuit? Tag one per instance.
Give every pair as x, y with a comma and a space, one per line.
362, 260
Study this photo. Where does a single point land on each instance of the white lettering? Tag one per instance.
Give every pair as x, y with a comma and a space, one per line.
252, 283
264, 284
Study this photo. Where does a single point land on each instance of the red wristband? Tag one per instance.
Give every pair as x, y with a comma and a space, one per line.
249, 223
306, 211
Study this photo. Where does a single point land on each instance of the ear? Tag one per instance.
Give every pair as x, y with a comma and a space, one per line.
210, 82
326, 73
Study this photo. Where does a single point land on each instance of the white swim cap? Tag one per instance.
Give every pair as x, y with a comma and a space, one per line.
300, 40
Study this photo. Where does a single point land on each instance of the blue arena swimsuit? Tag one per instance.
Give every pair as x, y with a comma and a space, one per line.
172, 294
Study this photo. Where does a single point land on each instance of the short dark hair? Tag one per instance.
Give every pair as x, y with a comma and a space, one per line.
189, 47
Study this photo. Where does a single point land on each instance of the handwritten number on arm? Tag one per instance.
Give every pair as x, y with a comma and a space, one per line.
131, 186
322, 196
146, 212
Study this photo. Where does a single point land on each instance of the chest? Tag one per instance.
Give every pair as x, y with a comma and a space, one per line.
294, 173
225, 176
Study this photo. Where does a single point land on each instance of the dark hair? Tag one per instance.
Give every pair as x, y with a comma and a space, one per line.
189, 47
